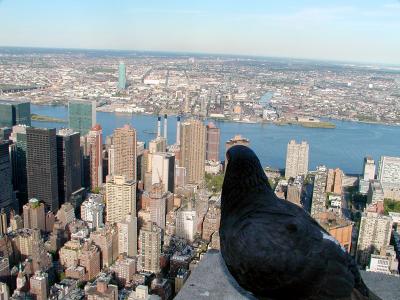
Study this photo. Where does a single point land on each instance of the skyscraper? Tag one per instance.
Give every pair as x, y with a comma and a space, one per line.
127, 236
121, 76
389, 171
369, 168
212, 142
39, 284
368, 175
296, 159
124, 152
186, 224
193, 150
34, 215
20, 180
41, 164
375, 233
6, 188
14, 113
81, 115
95, 146
318, 204
163, 170
68, 164
150, 247
120, 198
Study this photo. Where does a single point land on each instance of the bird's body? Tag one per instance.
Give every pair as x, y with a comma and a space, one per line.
274, 248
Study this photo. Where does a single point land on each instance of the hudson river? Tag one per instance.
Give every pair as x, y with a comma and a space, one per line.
343, 147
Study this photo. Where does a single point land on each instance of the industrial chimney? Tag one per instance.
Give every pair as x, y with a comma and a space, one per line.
178, 130
158, 126
165, 127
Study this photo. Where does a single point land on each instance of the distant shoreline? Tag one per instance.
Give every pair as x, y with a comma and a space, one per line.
325, 120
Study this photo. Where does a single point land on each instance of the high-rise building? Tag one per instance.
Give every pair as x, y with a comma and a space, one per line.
389, 171
211, 220
124, 152
375, 233
120, 198
296, 159
318, 204
186, 223
39, 284
150, 248
375, 192
294, 190
34, 215
369, 169
334, 181
106, 238
95, 145
368, 174
193, 150
124, 269
81, 115
127, 236
6, 188
212, 142
20, 180
41, 164
92, 211
158, 199
163, 170
89, 258
121, 76
102, 291
68, 164
3, 222
14, 113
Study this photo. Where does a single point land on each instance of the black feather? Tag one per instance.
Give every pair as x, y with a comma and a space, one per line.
274, 248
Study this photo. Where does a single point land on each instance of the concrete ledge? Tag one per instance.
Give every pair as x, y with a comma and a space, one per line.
211, 280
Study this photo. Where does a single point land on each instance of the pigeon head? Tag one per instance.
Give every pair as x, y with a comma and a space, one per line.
244, 172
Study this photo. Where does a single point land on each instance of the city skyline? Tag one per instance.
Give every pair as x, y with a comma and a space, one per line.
362, 31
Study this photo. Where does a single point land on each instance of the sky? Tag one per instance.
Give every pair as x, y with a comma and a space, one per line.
359, 31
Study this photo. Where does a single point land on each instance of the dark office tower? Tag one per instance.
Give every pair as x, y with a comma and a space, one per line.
14, 113
212, 142
81, 115
5, 133
68, 164
41, 164
6, 188
19, 164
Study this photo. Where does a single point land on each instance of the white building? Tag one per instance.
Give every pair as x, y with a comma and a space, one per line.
386, 263
296, 159
186, 224
375, 192
163, 170
120, 198
375, 233
213, 167
127, 236
92, 211
389, 172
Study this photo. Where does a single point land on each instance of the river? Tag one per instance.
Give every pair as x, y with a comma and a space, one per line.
343, 147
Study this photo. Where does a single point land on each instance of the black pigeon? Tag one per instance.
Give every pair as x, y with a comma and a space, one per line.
274, 248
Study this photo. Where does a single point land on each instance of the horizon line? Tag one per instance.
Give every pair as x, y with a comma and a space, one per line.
188, 53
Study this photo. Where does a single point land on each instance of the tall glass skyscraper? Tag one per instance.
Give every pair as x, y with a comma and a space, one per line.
122, 76
81, 115
14, 113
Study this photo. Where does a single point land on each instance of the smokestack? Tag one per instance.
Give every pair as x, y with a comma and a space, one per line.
165, 127
158, 126
178, 130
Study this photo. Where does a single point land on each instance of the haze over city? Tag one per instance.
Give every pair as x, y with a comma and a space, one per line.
360, 31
